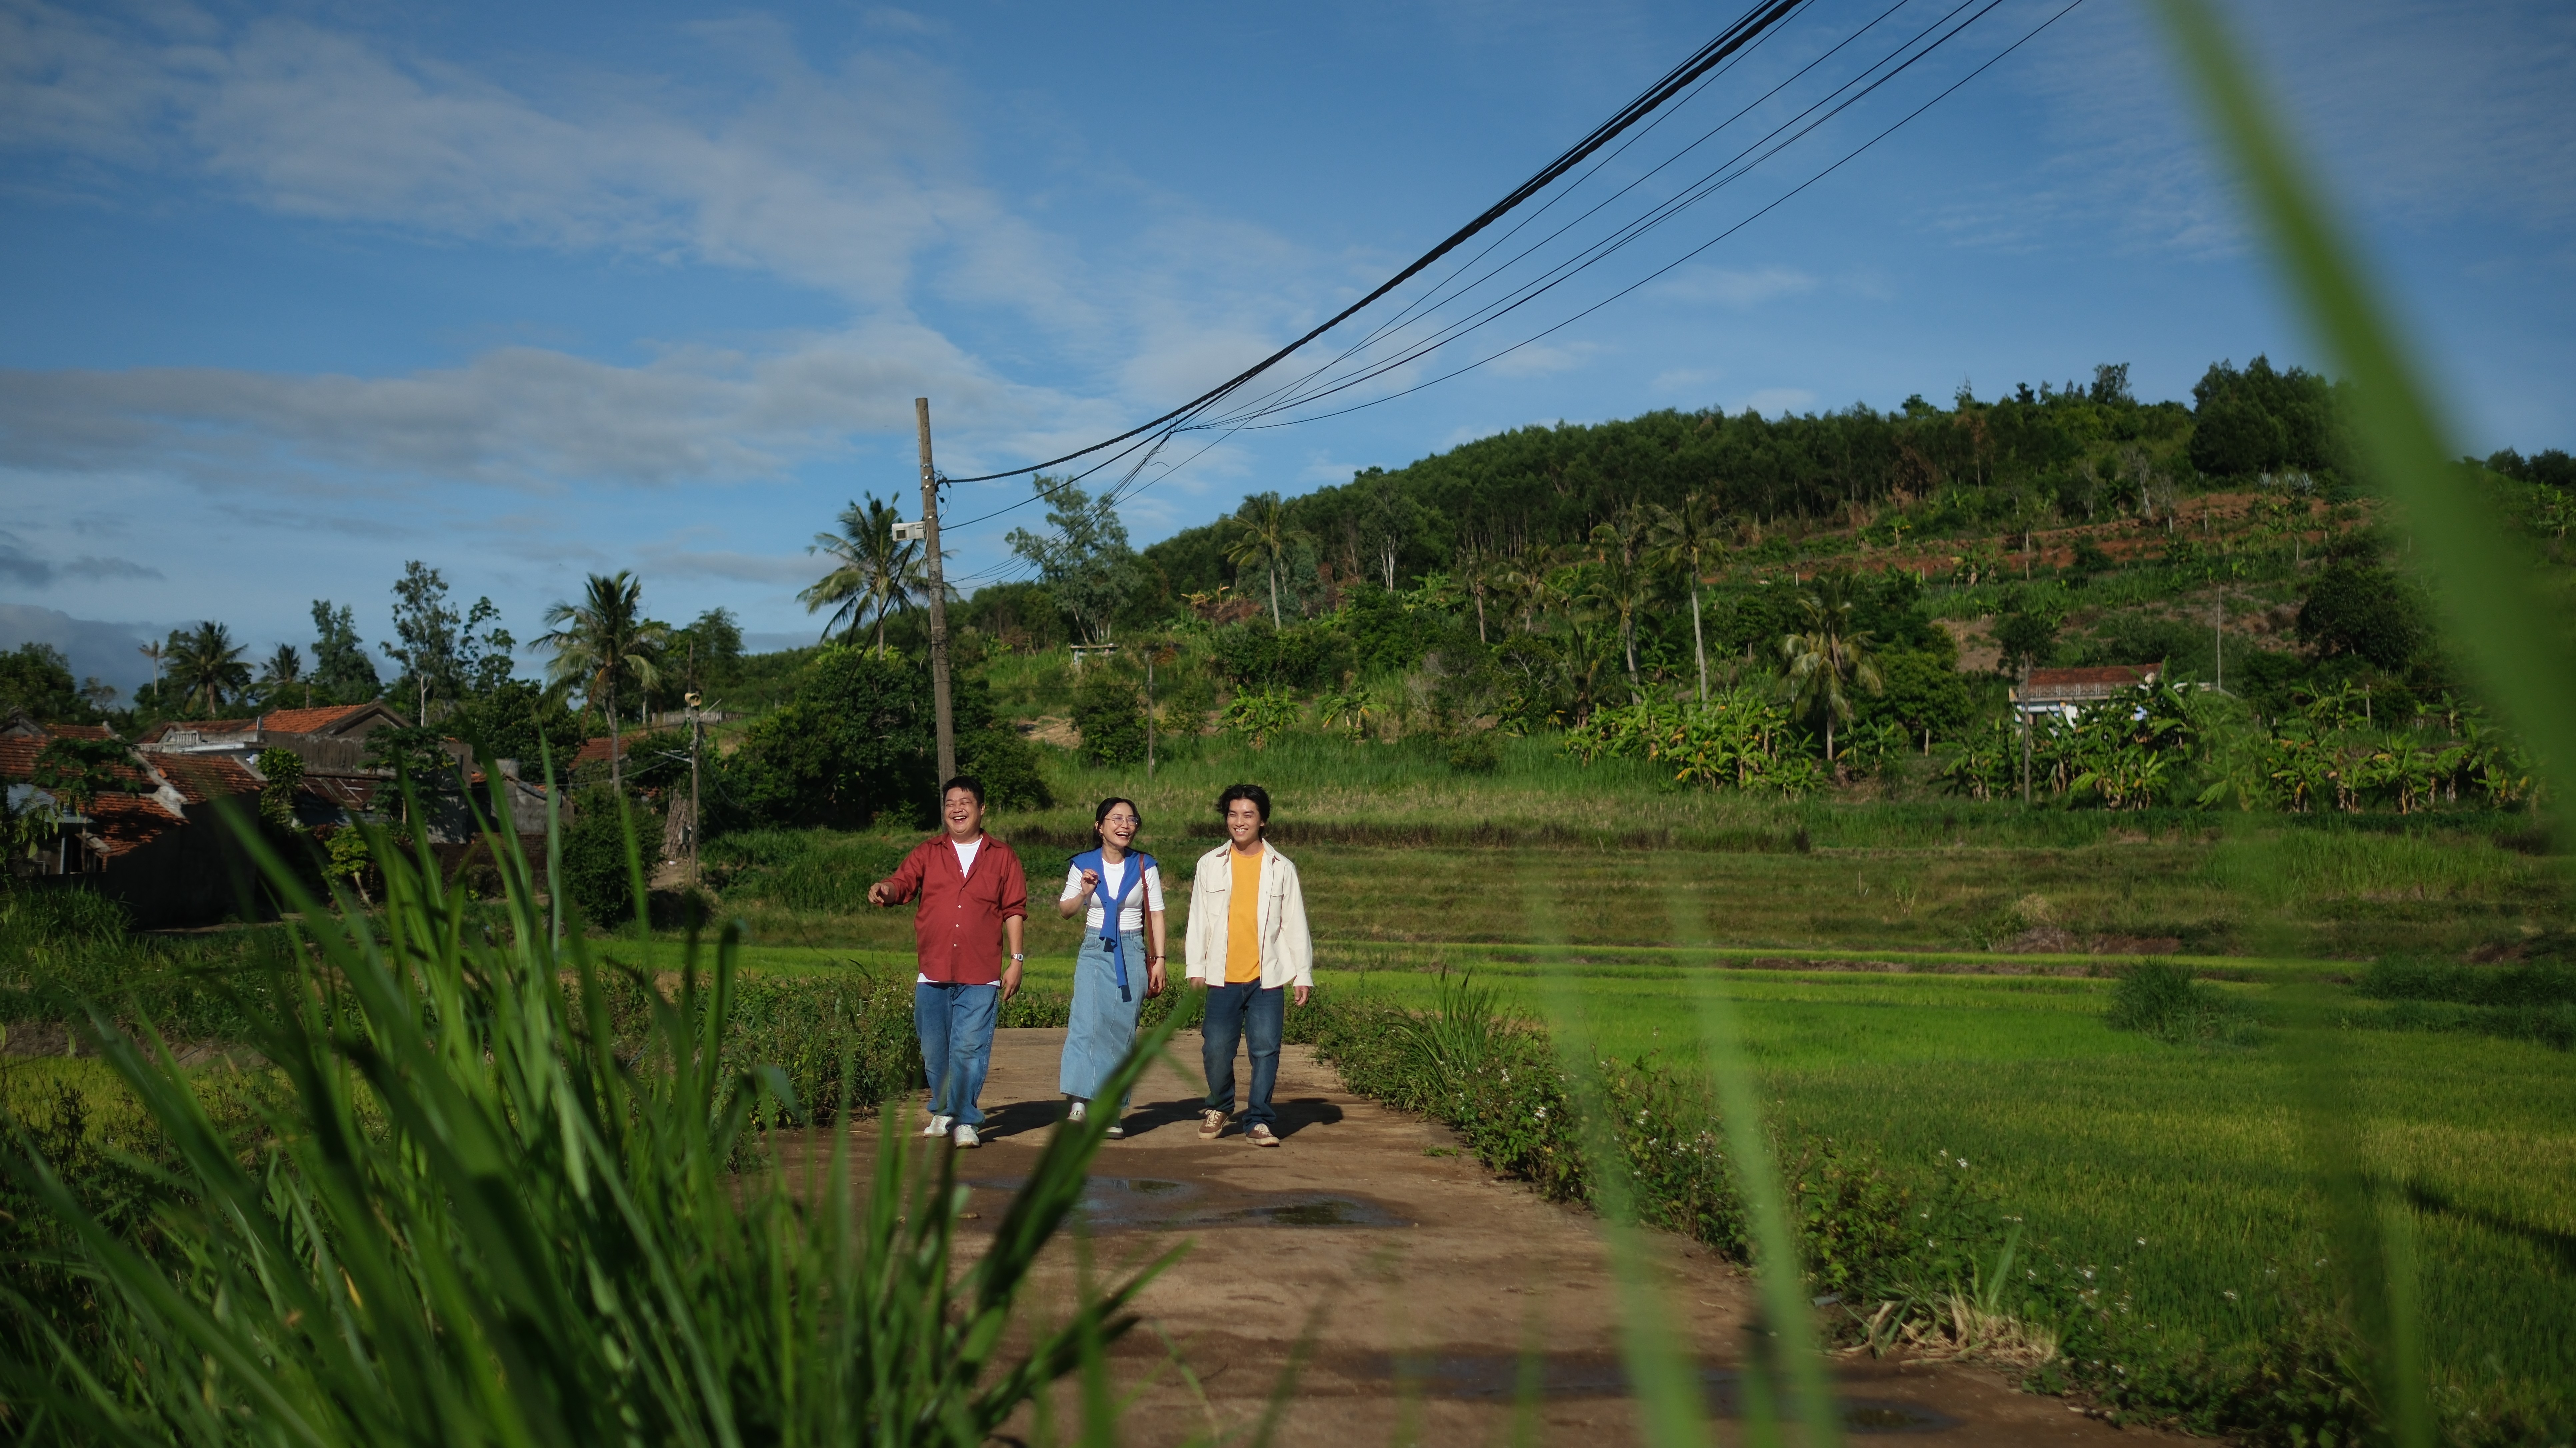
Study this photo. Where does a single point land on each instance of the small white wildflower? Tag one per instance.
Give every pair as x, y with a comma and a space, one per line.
2142, 1241
1963, 1163
2230, 1295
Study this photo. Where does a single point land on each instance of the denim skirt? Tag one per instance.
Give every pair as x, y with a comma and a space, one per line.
1103, 1027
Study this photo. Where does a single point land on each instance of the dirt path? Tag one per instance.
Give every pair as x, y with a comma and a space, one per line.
1421, 1279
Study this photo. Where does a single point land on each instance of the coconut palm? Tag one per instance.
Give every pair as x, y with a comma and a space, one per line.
1480, 572
1689, 539
284, 670
1263, 543
872, 577
206, 665
1617, 582
596, 640
1829, 658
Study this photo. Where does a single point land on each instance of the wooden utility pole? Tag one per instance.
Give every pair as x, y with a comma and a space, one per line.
697, 820
938, 602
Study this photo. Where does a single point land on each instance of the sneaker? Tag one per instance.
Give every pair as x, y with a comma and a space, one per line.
965, 1135
1115, 1131
938, 1126
1260, 1135
1210, 1123
1076, 1112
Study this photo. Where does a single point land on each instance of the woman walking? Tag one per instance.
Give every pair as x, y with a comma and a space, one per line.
1121, 891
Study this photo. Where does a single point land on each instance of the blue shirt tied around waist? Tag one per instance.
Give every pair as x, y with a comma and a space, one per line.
1111, 941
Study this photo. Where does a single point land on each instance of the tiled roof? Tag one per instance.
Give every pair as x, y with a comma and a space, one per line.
309, 721
18, 761
594, 751
79, 731
124, 823
2118, 676
201, 777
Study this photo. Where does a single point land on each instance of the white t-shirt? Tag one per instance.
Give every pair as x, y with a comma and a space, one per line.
1131, 916
965, 866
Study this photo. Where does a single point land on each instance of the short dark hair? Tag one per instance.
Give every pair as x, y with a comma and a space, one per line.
966, 782
1260, 799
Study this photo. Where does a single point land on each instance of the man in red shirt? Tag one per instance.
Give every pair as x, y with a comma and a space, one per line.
973, 900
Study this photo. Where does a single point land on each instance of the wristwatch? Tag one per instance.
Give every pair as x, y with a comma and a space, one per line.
1018, 957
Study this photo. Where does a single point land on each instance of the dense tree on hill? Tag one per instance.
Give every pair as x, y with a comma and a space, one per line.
2356, 607
2551, 467
1552, 485
2263, 420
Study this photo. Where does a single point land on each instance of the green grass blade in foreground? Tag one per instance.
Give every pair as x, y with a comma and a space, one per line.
1777, 1260
2484, 582
2498, 617
1661, 1365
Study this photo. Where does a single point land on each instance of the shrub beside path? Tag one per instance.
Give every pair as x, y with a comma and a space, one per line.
1420, 1278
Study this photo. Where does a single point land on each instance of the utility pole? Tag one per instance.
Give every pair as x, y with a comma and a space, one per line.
1149, 711
938, 601
697, 825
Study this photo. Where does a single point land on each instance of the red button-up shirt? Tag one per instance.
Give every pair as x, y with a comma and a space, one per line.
958, 930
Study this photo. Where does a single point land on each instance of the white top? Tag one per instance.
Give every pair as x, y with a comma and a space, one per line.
1131, 916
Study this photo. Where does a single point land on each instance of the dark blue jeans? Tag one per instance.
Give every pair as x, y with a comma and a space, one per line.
955, 1023
1254, 1017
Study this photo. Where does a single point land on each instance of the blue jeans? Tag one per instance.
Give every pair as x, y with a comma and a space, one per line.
1244, 1013
955, 1023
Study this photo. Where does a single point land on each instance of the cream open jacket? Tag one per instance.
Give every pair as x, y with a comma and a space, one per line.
1287, 951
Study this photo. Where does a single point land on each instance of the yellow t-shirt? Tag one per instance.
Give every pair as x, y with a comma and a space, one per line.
1243, 918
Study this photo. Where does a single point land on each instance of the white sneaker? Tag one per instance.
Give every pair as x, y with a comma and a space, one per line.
965, 1135
1115, 1132
1076, 1113
938, 1126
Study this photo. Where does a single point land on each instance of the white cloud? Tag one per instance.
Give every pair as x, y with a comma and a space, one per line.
1729, 288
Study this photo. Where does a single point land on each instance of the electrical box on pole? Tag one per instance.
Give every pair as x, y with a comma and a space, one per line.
913, 532
929, 526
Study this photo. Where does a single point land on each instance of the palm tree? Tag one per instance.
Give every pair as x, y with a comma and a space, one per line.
1688, 539
284, 670
1618, 584
603, 636
1829, 657
1264, 541
872, 576
156, 654
207, 665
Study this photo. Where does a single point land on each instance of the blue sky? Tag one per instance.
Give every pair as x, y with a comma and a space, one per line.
289, 295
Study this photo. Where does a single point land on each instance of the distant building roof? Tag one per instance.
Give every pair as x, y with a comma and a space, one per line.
201, 777
2050, 686
329, 719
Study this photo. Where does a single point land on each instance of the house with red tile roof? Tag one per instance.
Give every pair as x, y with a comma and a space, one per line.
152, 838
2065, 692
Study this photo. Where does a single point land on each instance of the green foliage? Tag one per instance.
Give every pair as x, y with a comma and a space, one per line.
1739, 739
2262, 420
1019, 618
446, 656
1496, 1081
816, 871
594, 854
282, 770
873, 577
2356, 607
205, 668
1086, 563
2026, 631
342, 672
1300, 657
499, 1199
2160, 999
1256, 717
75, 771
1476, 753
857, 741
1109, 714
2534, 1002
522, 720
1921, 692
36, 680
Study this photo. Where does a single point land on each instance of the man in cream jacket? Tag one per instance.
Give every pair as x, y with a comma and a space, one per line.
1247, 947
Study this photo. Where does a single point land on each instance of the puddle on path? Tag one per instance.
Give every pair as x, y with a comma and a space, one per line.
1110, 1203
1491, 1377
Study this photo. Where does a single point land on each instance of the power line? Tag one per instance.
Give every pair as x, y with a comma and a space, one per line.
1734, 38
